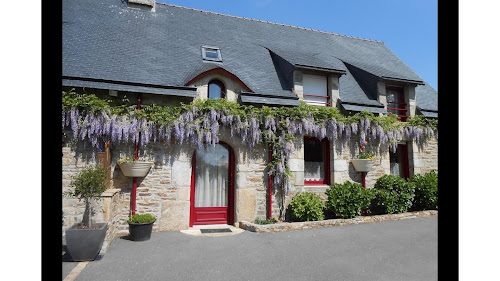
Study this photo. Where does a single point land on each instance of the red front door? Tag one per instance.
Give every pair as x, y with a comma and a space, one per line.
212, 185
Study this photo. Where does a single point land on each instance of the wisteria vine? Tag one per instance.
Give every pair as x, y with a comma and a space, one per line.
96, 120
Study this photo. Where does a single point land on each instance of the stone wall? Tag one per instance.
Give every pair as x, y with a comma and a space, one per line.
425, 158
165, 191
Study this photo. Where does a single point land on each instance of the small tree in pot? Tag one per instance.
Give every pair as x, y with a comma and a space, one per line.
84, 240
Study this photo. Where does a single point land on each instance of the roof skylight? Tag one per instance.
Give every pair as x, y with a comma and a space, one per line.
211, 53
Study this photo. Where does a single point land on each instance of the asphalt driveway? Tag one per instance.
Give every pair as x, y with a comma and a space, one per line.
391, 250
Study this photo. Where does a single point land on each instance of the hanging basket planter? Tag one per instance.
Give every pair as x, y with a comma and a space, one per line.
363, 165
135, 168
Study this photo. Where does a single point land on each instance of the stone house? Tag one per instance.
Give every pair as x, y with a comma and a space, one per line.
155, 53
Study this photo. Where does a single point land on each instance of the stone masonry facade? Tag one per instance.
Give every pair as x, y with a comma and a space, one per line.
166, 190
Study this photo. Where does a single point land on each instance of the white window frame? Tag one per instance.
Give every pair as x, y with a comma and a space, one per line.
315, 89
211, 48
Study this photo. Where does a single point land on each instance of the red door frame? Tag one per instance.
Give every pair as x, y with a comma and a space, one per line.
326, 157
213, 211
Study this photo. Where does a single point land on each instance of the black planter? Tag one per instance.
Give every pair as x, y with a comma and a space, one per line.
140, 231
85, 244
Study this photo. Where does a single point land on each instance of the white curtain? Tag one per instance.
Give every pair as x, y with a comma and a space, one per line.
314, 171
211, 184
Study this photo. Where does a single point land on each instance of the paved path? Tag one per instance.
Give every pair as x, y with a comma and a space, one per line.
393, 250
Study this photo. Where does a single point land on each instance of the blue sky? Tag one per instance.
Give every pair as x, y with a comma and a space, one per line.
408, 28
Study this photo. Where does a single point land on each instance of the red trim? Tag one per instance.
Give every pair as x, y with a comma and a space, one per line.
309, 95
230, 194
216, 213
191, 197
403, 111
317, 102
315, 183
326, 157
400, 109
220, 84
221, 70
136, 156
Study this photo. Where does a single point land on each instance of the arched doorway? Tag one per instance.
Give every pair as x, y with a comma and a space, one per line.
212, 185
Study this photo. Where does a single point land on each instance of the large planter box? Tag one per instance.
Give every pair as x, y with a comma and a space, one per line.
363, 165
136, 168
85, 244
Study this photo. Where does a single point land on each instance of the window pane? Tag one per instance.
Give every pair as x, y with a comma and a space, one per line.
211, 186
395, 163
314, 164
214, 91
213, 54
315, 89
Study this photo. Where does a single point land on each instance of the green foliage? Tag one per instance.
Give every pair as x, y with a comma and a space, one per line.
91, 102
422, 121
86, 101
393, 195
89, 183
306, 206
143, 218
349, 199
365, 155
269, 221
426, 191
126, 160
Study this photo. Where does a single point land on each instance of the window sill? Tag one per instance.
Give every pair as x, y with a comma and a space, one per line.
314, 184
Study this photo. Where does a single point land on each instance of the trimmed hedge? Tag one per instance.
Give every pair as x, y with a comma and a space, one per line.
426, 191
349, 199
392, 195
306, 206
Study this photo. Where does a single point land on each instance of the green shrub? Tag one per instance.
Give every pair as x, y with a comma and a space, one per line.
426, 191
393, 195
349, 199
269, 221
144, 218
306, 206
88, 185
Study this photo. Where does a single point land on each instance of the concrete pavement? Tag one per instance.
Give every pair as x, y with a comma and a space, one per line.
392, 250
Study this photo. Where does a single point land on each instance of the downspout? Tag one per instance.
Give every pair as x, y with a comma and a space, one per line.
136, 156
270, 188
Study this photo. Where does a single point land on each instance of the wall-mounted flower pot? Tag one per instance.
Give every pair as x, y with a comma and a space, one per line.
136, 168
84, 244
363, 165
140, 231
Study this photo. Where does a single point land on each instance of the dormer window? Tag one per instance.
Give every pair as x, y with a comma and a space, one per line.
216, 90
211, 53
396, 103
315, 90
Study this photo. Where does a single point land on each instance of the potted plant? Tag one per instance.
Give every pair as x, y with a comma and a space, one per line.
364, 162
84, 240
132, 167
140, 227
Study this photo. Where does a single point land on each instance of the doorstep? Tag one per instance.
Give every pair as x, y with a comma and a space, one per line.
286, 226
196, 230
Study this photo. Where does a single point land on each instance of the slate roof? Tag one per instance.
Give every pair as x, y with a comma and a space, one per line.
106, 41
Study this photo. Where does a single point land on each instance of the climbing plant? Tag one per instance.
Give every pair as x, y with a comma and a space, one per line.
96, 119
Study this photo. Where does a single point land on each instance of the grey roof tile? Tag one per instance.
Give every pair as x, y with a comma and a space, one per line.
103, 39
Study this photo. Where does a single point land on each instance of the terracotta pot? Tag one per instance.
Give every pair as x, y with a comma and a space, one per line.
136, 168
363, 165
